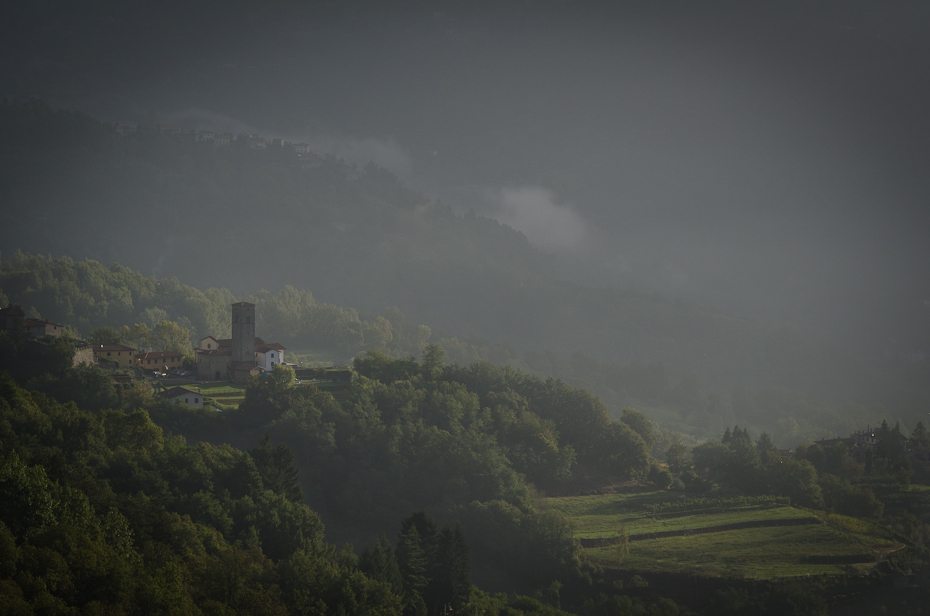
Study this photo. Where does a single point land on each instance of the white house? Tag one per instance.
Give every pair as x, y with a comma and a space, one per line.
181, 395
267, 355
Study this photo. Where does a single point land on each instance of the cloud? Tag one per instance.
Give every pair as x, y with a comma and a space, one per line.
548, 225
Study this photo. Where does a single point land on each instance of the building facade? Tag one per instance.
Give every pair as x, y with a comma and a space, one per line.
123, 355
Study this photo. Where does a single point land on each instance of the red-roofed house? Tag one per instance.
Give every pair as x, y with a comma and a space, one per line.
114, 352
37, 328
159, 360
267, 355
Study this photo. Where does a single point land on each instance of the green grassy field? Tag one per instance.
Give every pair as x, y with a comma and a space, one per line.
225, 393
824, 544
310, 359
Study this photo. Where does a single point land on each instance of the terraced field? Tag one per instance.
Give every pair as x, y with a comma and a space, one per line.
223, 393
742, 537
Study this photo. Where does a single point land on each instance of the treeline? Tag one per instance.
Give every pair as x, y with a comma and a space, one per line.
88, 298
115, 304
818, 477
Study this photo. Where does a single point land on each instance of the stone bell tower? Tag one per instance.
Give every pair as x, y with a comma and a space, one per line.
243, 333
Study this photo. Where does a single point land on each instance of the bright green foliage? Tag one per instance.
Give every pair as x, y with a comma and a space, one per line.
169, 336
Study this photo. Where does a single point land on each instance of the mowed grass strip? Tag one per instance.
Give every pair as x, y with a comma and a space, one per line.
606, 515
760, 553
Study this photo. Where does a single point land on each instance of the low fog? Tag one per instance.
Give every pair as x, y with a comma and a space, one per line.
767, 160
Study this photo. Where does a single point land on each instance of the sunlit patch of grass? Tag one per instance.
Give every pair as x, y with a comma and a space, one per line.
830, 544
756, 553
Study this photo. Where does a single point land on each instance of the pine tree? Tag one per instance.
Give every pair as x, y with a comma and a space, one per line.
451, 580
277, 468
380, 563
413, 563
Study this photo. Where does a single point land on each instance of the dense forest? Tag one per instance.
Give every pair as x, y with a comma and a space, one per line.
116, 501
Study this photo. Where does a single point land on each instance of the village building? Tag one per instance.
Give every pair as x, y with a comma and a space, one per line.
182, 395
33, 328
267, 355
241, 356
161, 361
84, 354
122, 355
38, 328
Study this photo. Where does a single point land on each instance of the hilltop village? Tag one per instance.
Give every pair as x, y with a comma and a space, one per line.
231, 359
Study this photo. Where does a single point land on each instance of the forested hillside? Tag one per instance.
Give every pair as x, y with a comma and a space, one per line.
110, 509
248, 220
102, 302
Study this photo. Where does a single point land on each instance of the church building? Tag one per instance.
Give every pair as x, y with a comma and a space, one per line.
239, 357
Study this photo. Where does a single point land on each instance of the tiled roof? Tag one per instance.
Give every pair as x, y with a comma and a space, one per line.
174, 392
244, 304
112, 347
271, 346
157, 355
13, 310
246, 367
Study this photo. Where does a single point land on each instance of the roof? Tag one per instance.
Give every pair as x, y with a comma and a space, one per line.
157, 355
174, 392
38, 322
212, 352
205, 337
247, 367
13, 310
112, 347
271, 346
244, 304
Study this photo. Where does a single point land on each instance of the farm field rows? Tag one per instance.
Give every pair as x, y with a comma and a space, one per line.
777, 541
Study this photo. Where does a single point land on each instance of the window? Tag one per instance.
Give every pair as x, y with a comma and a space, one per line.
108, 353
196, 400
185, 400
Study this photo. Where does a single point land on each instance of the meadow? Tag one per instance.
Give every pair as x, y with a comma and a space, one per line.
771, 539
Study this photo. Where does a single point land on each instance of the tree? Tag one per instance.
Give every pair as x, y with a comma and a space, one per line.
380, 563
413, 563
766, 448
169, 336
139, 337
105, 335
434, 358
452, 585
676, 454
277, 469
640, 424
919, 442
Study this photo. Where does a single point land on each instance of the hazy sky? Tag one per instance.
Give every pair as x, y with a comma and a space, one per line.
769, 158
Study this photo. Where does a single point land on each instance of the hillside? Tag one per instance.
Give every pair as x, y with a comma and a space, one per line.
247, 220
